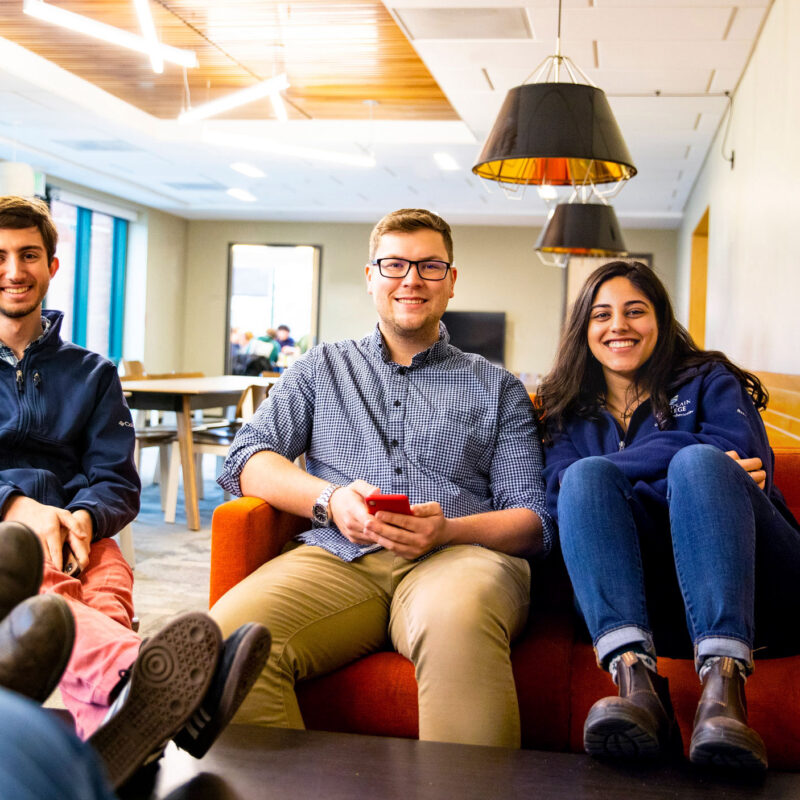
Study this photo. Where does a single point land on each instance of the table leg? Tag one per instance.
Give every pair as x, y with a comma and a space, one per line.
187, 465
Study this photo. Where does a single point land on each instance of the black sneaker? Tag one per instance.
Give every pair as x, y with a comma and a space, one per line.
21, 562
36, 640
167, 682
244, 655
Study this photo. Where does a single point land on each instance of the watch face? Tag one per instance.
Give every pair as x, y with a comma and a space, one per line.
320, 514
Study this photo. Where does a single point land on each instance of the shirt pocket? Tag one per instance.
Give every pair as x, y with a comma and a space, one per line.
455, 445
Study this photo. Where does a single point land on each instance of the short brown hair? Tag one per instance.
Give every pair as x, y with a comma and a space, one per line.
18, 213
408, 220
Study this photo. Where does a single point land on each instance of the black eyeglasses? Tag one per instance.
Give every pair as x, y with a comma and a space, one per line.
400, 267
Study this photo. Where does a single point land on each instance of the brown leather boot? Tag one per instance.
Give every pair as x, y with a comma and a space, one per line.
721, 735
21, 561
638, 723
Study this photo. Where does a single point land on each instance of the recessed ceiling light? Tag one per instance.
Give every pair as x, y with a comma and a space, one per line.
547, 192
247, 169
445, 161
242, 194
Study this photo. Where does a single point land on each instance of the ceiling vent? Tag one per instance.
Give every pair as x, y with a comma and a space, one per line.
464, 23
100, 145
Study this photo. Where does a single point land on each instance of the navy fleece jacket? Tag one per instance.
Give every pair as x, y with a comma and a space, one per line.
66, 435
710, 407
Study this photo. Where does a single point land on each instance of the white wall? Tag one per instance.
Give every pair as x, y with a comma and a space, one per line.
753, 278
498, 271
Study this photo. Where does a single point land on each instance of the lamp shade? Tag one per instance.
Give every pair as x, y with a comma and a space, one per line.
555, 133
585, 229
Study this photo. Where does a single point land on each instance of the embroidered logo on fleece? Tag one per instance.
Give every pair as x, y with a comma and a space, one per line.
680, 408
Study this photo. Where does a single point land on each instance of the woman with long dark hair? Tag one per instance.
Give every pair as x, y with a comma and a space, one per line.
660, 474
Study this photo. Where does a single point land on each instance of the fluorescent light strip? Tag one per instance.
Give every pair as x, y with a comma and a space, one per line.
259, 144
108, 33
278, 106
247, 169
149, 32
269, 87
445, 162
242, 194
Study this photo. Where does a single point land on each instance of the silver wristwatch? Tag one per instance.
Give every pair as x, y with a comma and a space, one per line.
320, 515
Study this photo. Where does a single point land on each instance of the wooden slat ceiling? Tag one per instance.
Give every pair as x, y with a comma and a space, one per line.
337, 55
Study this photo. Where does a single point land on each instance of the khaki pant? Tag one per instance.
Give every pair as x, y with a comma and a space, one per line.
452, 614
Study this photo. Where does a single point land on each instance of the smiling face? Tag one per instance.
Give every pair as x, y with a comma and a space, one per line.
24, 272
409, 309
623, 330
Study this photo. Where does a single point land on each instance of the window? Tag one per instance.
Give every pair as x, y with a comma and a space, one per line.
90, 285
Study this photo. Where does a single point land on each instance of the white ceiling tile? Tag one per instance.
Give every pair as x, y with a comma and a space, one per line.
746, 24
620, 25
666, 55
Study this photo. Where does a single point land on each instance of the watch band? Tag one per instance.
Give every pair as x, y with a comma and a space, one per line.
320, 513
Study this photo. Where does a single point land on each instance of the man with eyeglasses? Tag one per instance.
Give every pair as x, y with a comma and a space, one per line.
404, 412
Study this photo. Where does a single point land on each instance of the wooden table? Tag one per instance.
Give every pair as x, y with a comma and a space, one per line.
184, 395
251, 763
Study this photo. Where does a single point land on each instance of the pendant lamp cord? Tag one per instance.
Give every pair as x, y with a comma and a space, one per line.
558, 41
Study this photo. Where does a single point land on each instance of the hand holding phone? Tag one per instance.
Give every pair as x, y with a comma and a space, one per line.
396, 503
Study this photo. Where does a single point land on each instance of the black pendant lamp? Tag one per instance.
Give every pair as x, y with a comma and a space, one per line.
554, 132
582, 229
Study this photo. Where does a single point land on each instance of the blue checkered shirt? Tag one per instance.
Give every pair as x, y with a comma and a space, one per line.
451, 427
7, 354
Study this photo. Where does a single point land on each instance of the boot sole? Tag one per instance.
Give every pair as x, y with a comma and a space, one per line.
727, 749
170, 678
202, 730
24, 544
621, 735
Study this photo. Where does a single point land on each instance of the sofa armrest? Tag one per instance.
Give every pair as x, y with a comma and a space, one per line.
245, 533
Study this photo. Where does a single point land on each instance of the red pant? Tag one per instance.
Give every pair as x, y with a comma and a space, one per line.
101, 601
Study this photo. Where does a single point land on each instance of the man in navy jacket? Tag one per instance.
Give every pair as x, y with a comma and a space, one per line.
67, 473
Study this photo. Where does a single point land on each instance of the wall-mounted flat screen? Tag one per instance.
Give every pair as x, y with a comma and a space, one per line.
482, 332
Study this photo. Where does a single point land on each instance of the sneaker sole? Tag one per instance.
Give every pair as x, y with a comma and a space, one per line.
728, 750
251, 655
169, 680
618, 736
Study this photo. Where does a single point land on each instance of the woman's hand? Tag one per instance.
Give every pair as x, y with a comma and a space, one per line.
752, 466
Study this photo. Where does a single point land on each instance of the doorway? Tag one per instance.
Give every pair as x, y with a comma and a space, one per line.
271, 287
698, 282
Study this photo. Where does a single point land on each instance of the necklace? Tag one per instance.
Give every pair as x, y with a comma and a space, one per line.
624, 414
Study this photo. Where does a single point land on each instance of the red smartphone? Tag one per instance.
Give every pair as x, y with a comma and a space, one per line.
396, 503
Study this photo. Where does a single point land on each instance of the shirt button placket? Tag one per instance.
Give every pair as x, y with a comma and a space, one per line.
395, 433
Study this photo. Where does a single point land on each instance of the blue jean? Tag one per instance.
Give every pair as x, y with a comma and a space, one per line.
721, 525
41, 758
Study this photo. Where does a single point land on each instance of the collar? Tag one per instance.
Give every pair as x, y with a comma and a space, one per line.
438, 351
7, 354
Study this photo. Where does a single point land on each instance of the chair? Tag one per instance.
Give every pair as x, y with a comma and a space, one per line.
214, 439
125, 539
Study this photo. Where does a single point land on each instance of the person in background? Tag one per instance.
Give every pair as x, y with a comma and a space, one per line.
284, 338
660, 475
